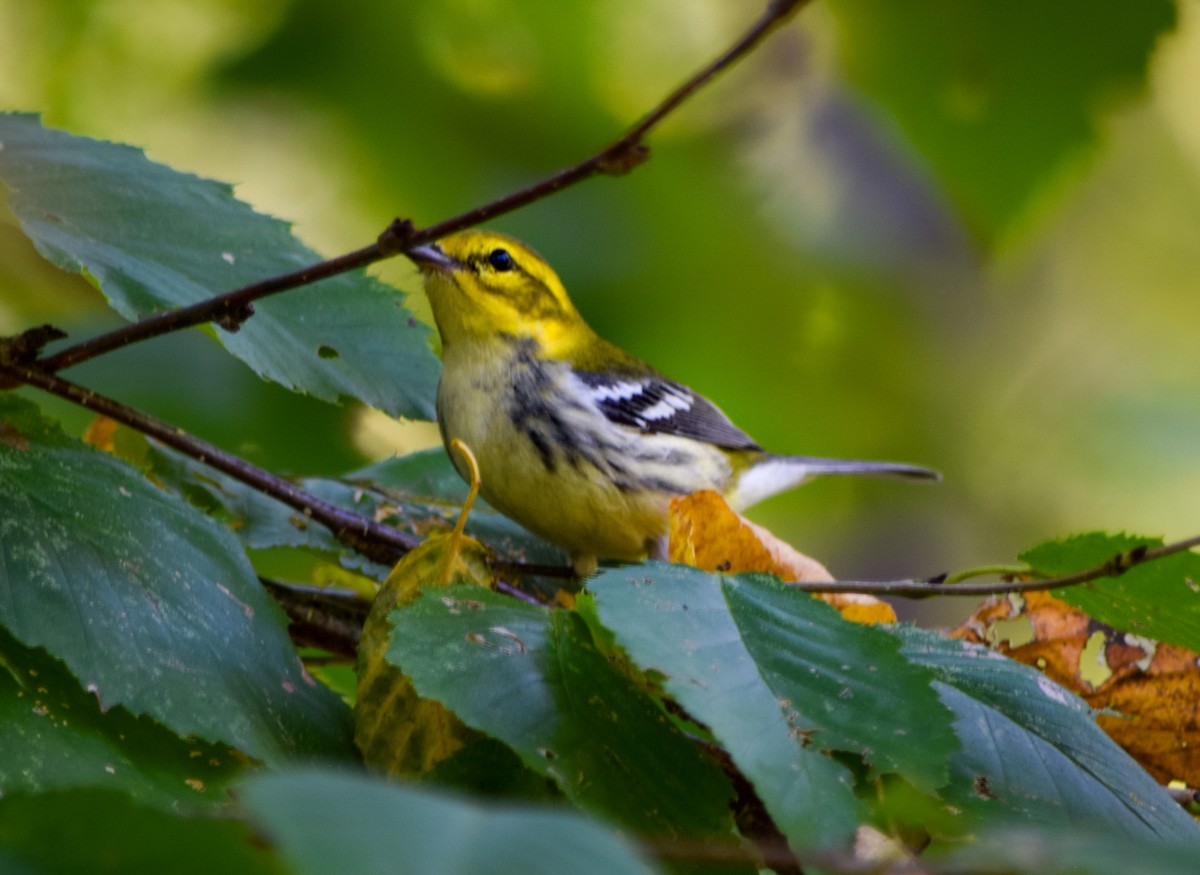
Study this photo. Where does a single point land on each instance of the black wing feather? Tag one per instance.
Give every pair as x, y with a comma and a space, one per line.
656, 405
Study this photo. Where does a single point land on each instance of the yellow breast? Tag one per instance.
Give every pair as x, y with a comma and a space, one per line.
550, 460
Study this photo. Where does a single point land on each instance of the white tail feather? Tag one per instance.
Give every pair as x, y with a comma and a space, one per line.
774, 474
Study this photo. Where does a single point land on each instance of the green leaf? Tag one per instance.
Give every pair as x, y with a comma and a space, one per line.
150, 604
94, 832
152, 238
54, 735
1074, 851
487, 767
417, 493
329, 824
998, 97
780, 678
533, 678
1159, 599
1032, 752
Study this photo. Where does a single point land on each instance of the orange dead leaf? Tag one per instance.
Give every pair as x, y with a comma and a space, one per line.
1153, 687
858, 607
706, 533
101, 433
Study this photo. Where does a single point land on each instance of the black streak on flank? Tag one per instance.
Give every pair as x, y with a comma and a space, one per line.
543, 448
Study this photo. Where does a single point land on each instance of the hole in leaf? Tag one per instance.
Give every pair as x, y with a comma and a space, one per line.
328, 352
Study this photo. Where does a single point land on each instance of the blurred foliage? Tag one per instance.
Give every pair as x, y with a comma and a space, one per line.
961, 234
992, 103
857, 243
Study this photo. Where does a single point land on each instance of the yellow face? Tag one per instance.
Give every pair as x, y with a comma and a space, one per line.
481, 284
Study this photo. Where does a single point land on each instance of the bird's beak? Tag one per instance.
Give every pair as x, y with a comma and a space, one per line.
431, 257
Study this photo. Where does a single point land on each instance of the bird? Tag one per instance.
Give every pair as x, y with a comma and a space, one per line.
577, 440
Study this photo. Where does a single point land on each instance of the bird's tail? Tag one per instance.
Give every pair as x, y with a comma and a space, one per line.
771, 474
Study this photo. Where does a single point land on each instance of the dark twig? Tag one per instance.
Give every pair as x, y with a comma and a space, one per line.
376, 541
624, 154
920, 589
331, 619
915, 589
504, 566
516, 592
231, 309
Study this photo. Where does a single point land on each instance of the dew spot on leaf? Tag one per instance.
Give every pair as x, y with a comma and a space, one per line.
1052, 691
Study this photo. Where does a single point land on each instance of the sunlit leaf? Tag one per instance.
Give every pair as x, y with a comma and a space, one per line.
152, 238
150, 604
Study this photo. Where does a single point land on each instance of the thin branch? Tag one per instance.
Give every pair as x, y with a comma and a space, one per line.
516, 592
229, 310
233, 308
331, 619
1008, 571
343, 635
533, 569
624, 154
376, 541
777, 12
1115, 566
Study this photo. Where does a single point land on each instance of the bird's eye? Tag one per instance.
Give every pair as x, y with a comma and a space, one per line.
501, 259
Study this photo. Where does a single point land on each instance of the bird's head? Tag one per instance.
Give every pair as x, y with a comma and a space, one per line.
482, 285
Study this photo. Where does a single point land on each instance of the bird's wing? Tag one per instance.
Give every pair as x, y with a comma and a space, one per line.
656, 405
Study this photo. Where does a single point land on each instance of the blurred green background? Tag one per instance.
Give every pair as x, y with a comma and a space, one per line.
963, 234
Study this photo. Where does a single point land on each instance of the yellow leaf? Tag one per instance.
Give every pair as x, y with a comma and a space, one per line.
101, 434
396, 730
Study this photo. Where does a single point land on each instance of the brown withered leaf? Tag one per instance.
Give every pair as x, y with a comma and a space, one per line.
706, 533
1153, 688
